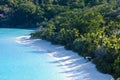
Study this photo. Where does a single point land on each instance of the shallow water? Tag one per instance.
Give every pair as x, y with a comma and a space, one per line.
20, 62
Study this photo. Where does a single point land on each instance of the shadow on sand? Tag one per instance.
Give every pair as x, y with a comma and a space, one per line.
73, 66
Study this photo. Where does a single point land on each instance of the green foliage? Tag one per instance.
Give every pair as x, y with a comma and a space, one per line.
117, 66
10, 3
27, 14
66, 36
25, 11
90, 21
118, 78
89, 27
53, 10
90, 31
76, 4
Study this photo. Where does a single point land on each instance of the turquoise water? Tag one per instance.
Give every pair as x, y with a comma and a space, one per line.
19, 62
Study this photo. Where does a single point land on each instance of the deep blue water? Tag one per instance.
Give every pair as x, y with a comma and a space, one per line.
19, 62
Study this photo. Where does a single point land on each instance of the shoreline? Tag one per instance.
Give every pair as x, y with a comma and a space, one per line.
74, 66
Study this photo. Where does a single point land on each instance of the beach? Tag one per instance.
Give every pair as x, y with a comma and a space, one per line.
74, 67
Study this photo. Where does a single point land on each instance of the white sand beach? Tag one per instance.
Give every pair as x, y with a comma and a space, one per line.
73, 66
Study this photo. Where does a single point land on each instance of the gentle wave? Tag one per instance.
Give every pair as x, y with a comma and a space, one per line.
23, 40
27, 41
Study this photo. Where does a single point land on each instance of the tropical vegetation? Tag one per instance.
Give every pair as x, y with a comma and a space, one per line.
88, 27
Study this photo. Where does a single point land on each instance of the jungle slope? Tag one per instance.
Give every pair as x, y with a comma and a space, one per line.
90, 28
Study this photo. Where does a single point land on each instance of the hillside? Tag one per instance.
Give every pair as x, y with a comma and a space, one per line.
89, 27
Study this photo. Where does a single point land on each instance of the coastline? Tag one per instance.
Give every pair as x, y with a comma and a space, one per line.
74, 66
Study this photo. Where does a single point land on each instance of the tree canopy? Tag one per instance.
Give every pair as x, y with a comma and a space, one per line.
89, 27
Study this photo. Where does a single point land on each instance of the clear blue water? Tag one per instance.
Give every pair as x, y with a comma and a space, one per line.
19, 62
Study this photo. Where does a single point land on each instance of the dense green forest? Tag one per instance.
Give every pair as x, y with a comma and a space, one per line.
88, 27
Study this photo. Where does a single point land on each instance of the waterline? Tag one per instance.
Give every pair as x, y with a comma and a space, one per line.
72, 65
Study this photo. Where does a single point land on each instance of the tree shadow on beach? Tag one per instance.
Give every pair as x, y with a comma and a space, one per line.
73, 66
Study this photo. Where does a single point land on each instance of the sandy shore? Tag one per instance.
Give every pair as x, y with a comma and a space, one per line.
74, 66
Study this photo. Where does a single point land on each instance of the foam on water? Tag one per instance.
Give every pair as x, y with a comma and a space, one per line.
23, 40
